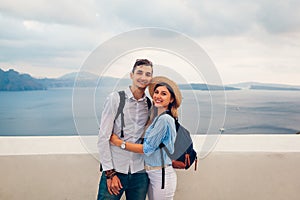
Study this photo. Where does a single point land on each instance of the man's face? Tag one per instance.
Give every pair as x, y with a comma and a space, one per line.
141, 76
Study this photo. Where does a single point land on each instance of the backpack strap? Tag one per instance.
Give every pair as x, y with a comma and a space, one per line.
121, 108
177, 124
161, 146
162, 169
120, 111
149, 103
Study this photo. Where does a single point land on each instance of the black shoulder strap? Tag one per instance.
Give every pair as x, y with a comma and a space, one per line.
177, 125
161, 146
120, 111
148, 103
162, 169
121, 108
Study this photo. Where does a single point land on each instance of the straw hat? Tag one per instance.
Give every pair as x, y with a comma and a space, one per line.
172, 84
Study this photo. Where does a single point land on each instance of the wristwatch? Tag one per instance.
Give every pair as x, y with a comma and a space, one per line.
123, 145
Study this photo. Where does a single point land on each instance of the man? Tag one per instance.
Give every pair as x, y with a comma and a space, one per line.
123, 171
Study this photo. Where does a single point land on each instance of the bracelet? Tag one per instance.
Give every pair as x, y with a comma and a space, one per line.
110, 173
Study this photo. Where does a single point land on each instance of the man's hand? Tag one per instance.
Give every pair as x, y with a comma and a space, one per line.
114, 185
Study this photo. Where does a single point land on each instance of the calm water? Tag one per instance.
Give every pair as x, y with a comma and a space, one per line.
247, 112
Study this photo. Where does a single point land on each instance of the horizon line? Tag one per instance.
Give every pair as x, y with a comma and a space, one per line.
190, 82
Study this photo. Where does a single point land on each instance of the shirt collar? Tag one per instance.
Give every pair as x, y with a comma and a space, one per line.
129, 95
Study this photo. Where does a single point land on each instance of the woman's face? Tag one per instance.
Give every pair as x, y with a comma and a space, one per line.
162, 97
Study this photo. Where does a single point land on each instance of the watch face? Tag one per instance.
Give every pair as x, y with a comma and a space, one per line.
123, 145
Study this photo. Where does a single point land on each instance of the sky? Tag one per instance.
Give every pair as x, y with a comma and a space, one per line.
247, 40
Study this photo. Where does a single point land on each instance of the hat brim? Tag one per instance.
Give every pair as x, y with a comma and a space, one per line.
162, 79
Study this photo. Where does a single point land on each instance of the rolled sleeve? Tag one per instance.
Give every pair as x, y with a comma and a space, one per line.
161, 131
154, 136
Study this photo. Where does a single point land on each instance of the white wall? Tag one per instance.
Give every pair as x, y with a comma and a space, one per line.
240, 167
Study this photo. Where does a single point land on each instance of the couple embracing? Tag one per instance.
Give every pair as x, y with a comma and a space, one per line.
129, 144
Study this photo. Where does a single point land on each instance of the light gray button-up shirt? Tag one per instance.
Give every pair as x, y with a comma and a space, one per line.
135, 118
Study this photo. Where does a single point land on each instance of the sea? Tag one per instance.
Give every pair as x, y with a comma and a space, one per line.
69, 111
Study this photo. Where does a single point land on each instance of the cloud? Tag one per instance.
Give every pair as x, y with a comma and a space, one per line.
280, 16
193, 17
206, 18
259, 34
56, 11
38, 43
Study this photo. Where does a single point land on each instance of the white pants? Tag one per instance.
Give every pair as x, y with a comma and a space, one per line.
155, 192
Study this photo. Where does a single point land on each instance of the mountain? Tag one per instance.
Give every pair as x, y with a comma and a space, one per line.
243, 85
82, 75
87, 79
83, 79
262, 87
14, 81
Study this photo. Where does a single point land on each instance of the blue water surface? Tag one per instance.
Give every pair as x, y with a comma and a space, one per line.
49, 112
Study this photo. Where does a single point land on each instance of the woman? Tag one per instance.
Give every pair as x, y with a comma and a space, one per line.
166, 98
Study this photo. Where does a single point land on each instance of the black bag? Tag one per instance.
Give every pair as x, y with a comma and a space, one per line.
184, 154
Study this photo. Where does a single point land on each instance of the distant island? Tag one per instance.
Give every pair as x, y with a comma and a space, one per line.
263, 87
206, 87
12, 80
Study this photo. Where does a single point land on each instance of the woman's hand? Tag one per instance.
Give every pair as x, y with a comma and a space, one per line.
136, 148
115, 140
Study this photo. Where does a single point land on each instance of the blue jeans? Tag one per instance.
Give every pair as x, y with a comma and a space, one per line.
134, 185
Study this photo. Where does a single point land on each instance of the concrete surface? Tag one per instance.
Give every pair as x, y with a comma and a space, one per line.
228, 173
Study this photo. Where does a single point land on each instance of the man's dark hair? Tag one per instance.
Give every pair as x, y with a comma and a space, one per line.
139, 62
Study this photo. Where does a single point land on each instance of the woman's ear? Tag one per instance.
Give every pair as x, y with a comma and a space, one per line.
171, 100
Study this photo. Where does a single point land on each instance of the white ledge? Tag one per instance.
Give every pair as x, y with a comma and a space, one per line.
36, 145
